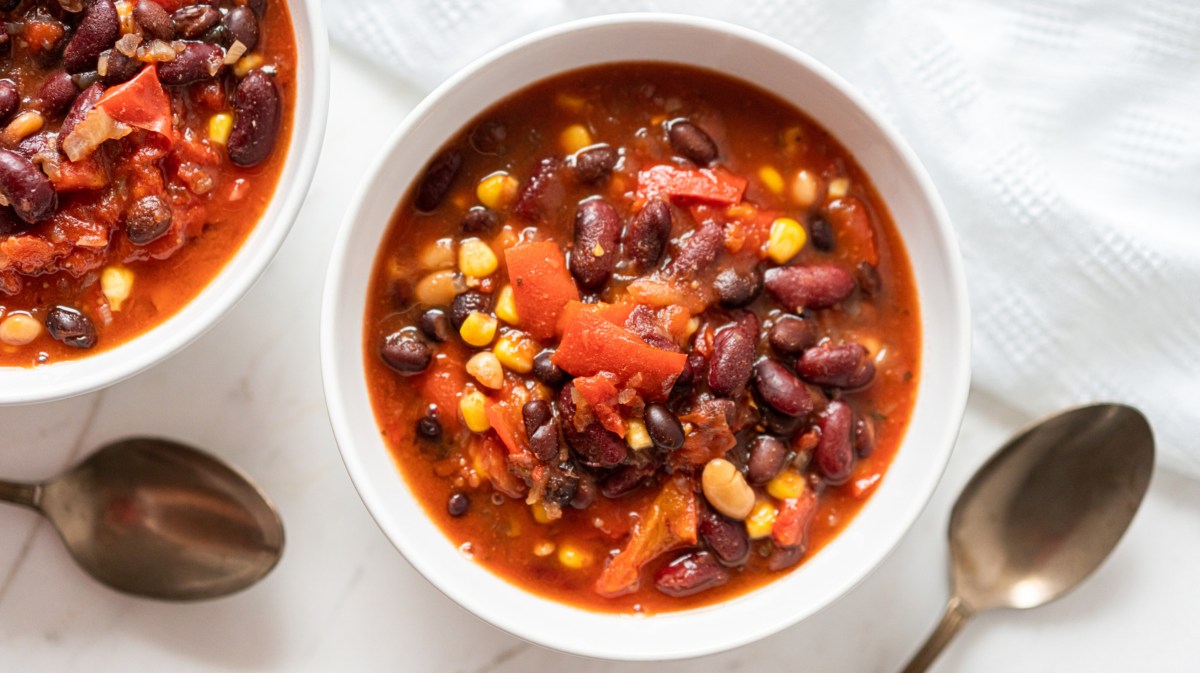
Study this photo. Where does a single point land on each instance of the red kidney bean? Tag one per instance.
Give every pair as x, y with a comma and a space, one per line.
663, 427
10, 99
489, 138
595, 445
725, 537
864, 436
405, 353
5, 42
690, 574
98, 31
26, 188
546, 371
439, 177
148, 219
154, 20
834, 455
194, 21
71, 327
480, 220
597, 233
698, 251
57, 92
259, 7
119, 68
257, 112
690, 142
732, 360
79, 109
535, 414
544, 441
801, 287
767, 455
780, 424
594, 164
467, 303
737, 288
196, 63
647, 233
848, 366
543, 193
241, 25
626, 479
791, 335
457, 504
820, 232
585, 493
782, 558
781, 389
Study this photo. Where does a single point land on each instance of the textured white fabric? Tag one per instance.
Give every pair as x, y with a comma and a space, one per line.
1064, 137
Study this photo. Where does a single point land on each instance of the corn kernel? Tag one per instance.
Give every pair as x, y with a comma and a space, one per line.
478, 329
787, 238
693, 324
838, 187
761, 520
19, 329
497, 190
476, 259
771, 179
486, 369
515, 352
506, 305
804, 189
220, 126
574, 138
573, 557
246, 64
22, 126
636, 435
786, 485
116, 282
473, 407
570, 102
539, 512
543, 548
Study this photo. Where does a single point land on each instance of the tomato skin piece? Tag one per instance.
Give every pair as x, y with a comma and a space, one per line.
710, 185
669, 523
142, 103
542, 286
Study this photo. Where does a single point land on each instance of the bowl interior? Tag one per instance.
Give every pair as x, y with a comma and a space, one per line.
915, 208
39, 384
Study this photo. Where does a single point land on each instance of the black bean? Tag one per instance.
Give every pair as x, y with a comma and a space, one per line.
738, 288
429, 427
546, 371
780, 424
57, 92
802, 287
595, 445
5, 42
781, 389
664, 428
597, 233
690, 574
834, 455
154, 20
439, 177
725, 537
467, 303
625, 480
791, 334
194, 21
562, 483
766, 458
489, 138
868, 278
98, 31
196, 63
544, 441
821, 232
480, 220
435, 324
457, 504
241, 25
405, 353
26, 188
848, 366
257, 113
71, 327
691, 142
585, 494
647, 234
594, 164
147, 219
119, 68
258, 6
535, 414
732, 361
10, 99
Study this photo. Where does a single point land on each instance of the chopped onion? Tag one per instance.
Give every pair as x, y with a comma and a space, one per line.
96, 128
128, 44
156, 51
236, 51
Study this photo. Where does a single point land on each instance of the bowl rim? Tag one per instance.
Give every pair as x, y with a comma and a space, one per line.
240, 272
334, 374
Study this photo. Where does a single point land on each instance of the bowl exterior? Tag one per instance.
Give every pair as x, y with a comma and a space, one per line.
917, 212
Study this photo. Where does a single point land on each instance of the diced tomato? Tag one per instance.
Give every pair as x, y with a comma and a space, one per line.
600, 392
491, 459
542, 286
792, 521
712, 185
710, 437
43, 35
141, 103
505, 416
590, 345
442, 383
668, 523
855, 235
87, 173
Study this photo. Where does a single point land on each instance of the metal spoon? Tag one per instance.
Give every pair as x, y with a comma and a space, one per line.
1043, 513
155, 518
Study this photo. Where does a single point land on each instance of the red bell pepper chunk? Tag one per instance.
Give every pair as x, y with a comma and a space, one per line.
791, 523
542, 286
713, 185
616, 313
591, 344
141, 103
669, 523
853, 224
443, 381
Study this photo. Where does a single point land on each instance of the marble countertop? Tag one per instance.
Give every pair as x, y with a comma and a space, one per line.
344, 599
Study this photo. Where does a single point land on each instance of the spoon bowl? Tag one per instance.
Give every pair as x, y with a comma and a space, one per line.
156, 518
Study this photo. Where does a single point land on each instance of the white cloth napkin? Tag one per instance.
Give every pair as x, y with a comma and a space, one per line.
1063, 136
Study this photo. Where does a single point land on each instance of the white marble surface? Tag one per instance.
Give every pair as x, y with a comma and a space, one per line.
343, 599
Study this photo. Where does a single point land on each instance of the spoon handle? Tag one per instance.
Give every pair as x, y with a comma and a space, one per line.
20, 494
957, 613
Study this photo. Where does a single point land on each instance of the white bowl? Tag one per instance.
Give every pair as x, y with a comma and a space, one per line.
74, 377
915, 207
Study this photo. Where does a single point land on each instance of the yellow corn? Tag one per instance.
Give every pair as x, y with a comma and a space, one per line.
838, 187
573, 557
116, 282
476, 259
636, 435
543, 548
786, 485
220, 126
497, 190
246, 64
19, 329
478, 329
570, 102
473, 407
486, 369
539, 512
804, 189
771, 179
515, 352
787, 238
506, 305
761, 520
574, 138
